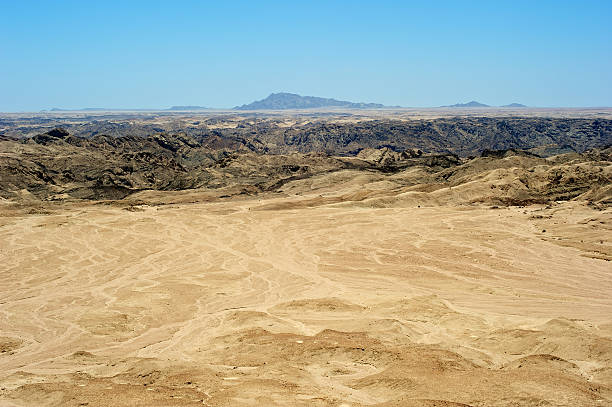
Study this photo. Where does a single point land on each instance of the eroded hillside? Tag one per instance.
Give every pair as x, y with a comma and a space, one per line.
341, 134
57, 166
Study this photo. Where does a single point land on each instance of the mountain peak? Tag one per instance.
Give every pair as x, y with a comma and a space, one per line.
473, 103
286, 100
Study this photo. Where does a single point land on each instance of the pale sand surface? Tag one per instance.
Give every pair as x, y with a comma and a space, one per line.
237, 304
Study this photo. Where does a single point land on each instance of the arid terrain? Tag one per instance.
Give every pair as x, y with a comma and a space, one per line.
352, 264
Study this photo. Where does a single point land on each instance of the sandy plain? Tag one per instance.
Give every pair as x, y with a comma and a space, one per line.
291, 301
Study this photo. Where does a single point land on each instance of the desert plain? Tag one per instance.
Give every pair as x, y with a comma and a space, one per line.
372, 279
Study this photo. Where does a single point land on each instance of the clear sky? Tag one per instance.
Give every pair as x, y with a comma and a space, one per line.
148, 54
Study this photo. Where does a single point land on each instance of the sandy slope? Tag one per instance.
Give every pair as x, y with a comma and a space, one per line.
238, 304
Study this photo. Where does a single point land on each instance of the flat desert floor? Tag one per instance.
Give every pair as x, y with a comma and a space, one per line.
262, 303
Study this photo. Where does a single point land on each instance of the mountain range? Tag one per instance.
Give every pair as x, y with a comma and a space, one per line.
286, 101
283, 101
474, 103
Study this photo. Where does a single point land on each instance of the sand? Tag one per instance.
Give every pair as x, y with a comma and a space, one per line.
241, 303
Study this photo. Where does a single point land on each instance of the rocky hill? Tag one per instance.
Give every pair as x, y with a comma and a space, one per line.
461, 136
57, 166
282, 101
473, 103
464, 136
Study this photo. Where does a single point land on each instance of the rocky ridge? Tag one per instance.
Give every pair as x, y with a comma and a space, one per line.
58, 166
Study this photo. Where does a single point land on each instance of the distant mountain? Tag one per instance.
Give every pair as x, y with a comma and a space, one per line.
281, 101
514, 105
188, 108
473, 103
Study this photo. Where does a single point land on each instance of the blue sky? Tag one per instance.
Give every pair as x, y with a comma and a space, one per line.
147, 54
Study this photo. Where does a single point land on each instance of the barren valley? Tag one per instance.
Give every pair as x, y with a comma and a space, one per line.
307, 261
